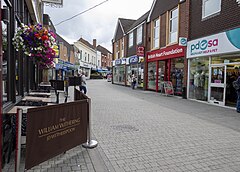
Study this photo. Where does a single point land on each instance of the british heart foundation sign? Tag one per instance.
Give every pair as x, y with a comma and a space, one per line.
52, 130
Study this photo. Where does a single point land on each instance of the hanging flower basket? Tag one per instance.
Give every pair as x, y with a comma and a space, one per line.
38, 43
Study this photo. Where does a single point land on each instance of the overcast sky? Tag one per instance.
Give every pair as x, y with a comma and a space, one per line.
98, 23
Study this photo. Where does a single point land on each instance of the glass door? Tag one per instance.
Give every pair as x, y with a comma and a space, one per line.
217, 84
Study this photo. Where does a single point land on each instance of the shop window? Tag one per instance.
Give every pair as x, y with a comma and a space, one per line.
176, 76
152, 75
122, 47
119, 75
173, 28
129, 73
210, 7
139, 35
156, 32
161, 75
140, 74
198, 78
4, 63
130, 40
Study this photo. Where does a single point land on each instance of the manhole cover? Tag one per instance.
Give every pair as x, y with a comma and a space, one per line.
124, 128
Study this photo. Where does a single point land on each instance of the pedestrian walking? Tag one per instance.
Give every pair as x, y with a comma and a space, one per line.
236, 85
134, 81
83, 86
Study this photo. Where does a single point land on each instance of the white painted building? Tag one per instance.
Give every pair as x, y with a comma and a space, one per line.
86, 53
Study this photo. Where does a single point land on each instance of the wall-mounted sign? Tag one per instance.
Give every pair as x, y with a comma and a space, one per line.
60, 2
182, 41
166, 53
133, 59
123, 61
225, 42
140, 50
118, 62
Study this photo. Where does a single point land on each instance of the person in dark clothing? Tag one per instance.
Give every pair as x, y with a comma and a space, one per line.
236, 85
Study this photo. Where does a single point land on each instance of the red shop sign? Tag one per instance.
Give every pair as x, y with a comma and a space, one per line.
166, 53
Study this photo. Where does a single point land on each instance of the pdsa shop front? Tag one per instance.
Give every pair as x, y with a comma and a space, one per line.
213, 64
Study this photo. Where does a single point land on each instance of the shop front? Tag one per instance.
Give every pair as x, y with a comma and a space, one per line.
166, 64
119, 73
135, 66
85, 67
214, 63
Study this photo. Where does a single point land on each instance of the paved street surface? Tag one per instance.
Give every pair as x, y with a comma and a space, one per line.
145, 131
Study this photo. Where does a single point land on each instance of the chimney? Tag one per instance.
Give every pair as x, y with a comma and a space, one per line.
95, 43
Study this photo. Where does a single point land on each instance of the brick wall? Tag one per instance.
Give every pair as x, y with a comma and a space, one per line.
228, 18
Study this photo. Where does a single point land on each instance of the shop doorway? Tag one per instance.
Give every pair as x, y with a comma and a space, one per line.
217, 84
232, 73
221, 88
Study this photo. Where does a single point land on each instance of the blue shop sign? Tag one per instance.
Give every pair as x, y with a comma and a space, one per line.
118, 62
58, 66
133, 59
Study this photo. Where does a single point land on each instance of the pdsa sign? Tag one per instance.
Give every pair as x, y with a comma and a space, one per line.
224, 42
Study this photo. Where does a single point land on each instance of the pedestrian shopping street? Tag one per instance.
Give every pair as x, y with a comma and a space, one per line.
145, 131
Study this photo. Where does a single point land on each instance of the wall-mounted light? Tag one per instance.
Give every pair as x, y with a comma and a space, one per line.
5, 14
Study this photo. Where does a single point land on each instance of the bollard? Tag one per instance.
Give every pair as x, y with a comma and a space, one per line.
18, 139
90, 143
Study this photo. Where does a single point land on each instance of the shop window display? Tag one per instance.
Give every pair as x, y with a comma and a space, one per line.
119, 75
140, 74
177, 68
128, 75
198, 78
4, 61
152, 75
161, 75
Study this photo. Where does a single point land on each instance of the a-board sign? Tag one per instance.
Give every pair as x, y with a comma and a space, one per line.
57, 84
54, 129
168, 88
74, 81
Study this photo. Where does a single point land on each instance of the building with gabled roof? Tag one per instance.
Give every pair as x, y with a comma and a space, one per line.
128, 50
106, 58
86, 54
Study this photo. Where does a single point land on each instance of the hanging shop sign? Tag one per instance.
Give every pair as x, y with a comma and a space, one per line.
140, 50
221, 43
182, 41
166, 53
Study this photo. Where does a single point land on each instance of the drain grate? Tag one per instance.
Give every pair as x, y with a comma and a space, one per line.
124, 128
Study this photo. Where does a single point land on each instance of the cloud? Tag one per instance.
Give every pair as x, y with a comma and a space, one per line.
98, 23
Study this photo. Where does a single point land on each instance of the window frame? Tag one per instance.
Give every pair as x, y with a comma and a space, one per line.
170, 20
154, 29
139, 34
130, 39
211, 14
123, 47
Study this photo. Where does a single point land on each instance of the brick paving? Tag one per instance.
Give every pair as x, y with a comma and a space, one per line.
143, 131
